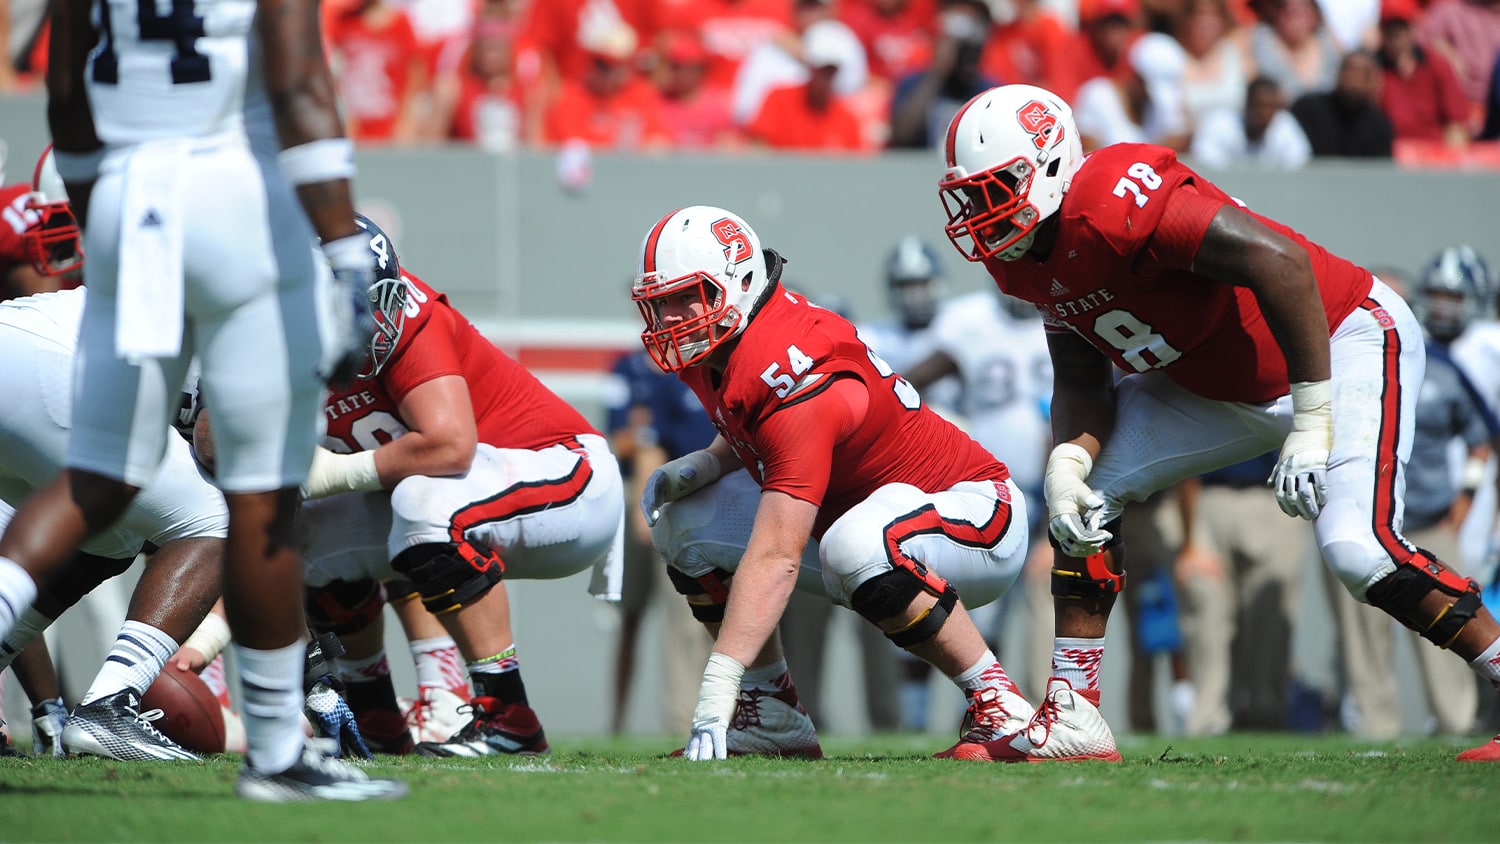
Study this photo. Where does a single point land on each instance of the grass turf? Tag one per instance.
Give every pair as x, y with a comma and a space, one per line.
1235, 788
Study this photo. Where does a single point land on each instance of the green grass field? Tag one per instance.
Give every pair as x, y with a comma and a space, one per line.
1237, 788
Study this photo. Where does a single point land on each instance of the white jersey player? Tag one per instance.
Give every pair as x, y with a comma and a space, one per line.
166, 126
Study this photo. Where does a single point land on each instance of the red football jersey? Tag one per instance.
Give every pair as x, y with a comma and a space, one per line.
787, 357
512, 408
1119, 276
13, 221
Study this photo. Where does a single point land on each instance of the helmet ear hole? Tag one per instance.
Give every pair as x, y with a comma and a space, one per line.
1053, 168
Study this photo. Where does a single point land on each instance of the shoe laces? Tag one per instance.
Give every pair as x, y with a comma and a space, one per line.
985, 713
1043, 719
143, 720
747, 709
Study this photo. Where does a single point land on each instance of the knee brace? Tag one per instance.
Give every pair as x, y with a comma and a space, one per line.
344, 606
706, 596
449, 576
1089, 577
890, 594
399, 590
1400, 592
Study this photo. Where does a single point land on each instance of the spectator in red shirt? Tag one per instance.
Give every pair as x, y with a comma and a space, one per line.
897, 34
696, 117
380, 71
481, 98
1106, 29
1031, 44
810, 116
729, 29
611, 107
562, 29
1420, 92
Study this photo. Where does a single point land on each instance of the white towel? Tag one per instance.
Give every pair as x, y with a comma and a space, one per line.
148, 322
608, 579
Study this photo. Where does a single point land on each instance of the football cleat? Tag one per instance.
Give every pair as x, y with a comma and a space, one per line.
316, 776
7, 750
494, 728
993, 713
1067, 727
48, 720
436, 714
114, 727
1487, 752
385, 731
771, 722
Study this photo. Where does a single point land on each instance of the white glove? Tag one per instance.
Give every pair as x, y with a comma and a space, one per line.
332, 473
1073, 507
677, 479
1301, 475
717, 698
353, 265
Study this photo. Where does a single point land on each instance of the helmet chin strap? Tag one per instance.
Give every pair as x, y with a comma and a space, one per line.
1019, 248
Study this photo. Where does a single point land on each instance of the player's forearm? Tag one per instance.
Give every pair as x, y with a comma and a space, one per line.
1294, 312
758, 596
415, 453
68, 115
1084, 415
729, 461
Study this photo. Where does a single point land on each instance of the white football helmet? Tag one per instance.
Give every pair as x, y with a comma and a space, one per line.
53, 241
709, 253
1011, 152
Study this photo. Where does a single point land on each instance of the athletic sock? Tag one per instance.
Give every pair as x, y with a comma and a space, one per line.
138, 655
28, 627
499, 677
985, 673
17, 591
272, 684
1487, 664
439, 665
1077, 661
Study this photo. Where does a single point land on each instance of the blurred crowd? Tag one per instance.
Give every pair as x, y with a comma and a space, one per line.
1260, 82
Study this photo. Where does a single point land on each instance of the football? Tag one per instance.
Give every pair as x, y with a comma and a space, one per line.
191, 715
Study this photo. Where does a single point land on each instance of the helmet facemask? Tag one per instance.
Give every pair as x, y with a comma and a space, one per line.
689, 340
53, 244
388, 306
989, 213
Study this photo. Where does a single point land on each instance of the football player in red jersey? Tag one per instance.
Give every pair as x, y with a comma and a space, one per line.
816, 439
41, 247
456, 466
1239, 336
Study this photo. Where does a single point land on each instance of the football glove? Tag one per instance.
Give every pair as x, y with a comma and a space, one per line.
677, 479
332, 473
1300, 479
332, 718
1074, 509
48, 719
353, 266
717, 697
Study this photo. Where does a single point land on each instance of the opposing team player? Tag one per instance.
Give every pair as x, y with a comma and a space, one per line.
40, 248
166, 133
1241, 335
817, 438
453, 467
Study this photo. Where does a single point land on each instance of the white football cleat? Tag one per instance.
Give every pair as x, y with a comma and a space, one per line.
434, 715
992, 714
1067, 727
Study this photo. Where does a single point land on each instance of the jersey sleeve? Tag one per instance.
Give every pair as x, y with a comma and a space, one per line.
1174, 245
426, 353
796, 443
1129, 191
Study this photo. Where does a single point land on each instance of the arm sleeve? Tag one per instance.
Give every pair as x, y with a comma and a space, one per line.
797, 441
1180, 232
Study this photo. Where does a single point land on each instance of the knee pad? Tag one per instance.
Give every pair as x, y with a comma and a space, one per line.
399, 590
1400, 593
449, 576
890, 594
706, 596
1089, 577
344, 606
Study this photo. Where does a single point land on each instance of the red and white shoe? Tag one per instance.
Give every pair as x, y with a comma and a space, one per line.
1487, 752
771, 722
1067, 727
992, 714
436, 713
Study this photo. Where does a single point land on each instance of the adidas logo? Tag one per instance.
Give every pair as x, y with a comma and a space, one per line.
1058, 289
151, 220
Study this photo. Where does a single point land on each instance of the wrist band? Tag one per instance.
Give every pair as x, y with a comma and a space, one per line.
211, 637
77, 166
326, 160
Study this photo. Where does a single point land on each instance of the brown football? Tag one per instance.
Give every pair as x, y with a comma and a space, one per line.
190, 713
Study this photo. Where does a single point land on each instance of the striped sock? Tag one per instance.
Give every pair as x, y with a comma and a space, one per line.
1077, 661
138, 655
272, 705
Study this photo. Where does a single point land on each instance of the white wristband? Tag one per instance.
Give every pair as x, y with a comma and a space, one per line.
721, 688
332, 473
1312, 406
1072, 452
211, 637
352, 252
77, 166
325, 160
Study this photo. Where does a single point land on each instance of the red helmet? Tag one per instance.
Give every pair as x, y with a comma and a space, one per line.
53, 241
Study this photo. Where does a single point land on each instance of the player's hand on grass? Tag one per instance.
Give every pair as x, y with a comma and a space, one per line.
717, 697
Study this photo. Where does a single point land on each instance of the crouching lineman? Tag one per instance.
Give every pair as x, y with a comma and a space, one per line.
451, 466
817, 437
